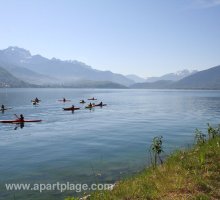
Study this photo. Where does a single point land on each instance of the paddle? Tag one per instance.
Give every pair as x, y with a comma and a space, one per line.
16, 116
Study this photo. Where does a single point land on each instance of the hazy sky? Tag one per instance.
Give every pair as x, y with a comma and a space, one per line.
144, 37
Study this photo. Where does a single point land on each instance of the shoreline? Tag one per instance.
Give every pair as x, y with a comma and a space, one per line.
185, 174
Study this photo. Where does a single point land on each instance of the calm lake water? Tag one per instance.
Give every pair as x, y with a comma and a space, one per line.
101, 145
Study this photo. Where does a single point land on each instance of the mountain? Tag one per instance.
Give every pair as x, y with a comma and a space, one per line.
162, 84
94, 84
135, 78
56, 70
206, 79
173, 76
8, 80
28, 75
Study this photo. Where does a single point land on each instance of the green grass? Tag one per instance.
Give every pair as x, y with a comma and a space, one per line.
187, 174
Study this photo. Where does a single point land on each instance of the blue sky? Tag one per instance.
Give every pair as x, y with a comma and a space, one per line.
143, 37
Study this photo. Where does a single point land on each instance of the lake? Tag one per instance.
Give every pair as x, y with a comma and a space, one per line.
100, 145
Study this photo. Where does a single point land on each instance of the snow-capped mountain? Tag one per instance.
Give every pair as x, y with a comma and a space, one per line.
172, 76
205, 79
16, 59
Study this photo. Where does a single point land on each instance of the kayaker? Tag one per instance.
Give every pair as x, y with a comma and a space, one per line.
21, 118
73, 107
101, 104
64, 100
2, 107
36, 100
90, 104
82, 101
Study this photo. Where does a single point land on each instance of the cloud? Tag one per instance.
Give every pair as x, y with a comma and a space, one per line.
207, 3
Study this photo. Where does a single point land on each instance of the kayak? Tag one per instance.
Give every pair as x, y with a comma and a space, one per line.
88, 106
18, 121
63, 100
101, 105
5, 109
35, 101
71, 109
92, 99
82, 102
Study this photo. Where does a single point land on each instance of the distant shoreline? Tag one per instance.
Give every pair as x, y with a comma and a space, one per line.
127, 88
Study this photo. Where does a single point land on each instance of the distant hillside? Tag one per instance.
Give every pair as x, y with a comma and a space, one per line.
136, 78
172, 76
54, 70
27, 75
8, 80
94, 84
206, 79
163, 84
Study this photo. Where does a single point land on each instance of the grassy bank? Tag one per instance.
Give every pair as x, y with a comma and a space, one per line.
186, 174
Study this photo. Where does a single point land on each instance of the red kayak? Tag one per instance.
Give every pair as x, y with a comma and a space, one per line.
71, 109
18, 121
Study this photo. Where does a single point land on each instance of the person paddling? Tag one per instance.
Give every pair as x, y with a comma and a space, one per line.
2, 107
36, 100
20, 118
82, 101
64, 99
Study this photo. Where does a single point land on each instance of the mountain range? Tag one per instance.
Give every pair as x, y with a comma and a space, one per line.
36, 69
206, 79
8, 80
167, 77
19, 68
172, 76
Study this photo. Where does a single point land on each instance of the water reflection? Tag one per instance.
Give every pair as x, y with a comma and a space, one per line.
19, 125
